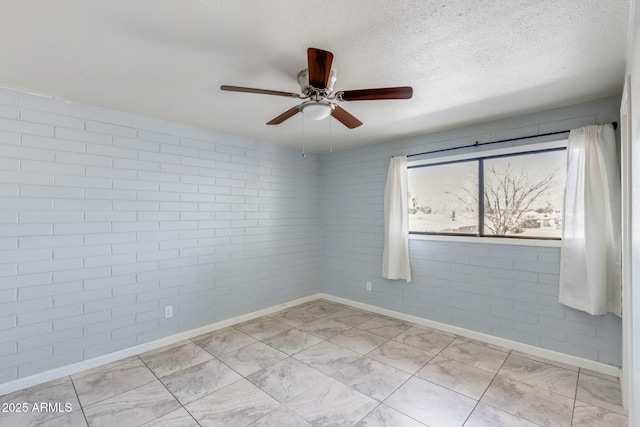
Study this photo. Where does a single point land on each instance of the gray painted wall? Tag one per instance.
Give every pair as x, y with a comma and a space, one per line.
106, 217
507, 291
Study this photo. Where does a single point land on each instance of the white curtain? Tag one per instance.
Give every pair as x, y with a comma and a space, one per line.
395, 258
590, 269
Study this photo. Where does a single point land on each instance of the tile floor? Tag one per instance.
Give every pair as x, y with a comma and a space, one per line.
326, 364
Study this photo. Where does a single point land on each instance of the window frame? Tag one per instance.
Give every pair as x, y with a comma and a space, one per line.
521, 149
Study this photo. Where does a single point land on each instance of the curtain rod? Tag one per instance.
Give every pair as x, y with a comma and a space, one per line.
478, 144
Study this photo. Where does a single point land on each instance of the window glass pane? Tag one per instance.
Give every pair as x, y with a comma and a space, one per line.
444, 198
523, 195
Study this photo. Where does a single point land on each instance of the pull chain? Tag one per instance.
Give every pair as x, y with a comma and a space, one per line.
303, 138
330, 136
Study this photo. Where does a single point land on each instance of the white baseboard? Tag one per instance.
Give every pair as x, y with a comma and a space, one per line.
57, 373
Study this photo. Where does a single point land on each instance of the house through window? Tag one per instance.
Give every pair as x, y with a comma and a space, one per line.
514, 193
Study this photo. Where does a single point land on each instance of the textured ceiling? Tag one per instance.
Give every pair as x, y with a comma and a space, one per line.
467, 61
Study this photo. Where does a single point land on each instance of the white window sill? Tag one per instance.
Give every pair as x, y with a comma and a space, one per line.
489, 240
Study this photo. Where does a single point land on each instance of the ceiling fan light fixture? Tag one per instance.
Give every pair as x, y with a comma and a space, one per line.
316, 110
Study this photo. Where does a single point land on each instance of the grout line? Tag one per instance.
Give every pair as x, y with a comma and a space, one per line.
486, 389
73, 384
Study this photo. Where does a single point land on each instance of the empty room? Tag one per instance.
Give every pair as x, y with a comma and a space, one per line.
339, 213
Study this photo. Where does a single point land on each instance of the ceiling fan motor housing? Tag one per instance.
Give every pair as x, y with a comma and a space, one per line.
307, 90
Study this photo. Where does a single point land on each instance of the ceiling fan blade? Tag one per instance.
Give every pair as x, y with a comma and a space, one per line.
345, 118
402, 92
284, 116
319, 67
260, 91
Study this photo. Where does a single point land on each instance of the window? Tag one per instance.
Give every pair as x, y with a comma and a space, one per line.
503, 193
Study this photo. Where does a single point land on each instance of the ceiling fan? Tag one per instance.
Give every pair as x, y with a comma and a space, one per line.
316, 84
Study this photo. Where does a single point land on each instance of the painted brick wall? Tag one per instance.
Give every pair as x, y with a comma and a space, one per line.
504, 290
107, 217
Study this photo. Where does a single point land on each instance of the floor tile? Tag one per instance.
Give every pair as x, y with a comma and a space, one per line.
281, 417
599, 375
488, 416
72, 419
327, 357
476, 355
286, 379
178, 418
263, 327
350, 317
199, 380
431, 342
324, 328
176, 359
585, 415
531, 403
431, 404
323, 308
383, 416
117, 379
237, 405
542, 375
599, 392
373, 378
252, 358
332, 403
103, 367
134, 407
358, 340
457, 376
544, 360
292, 341
295, 317
224, 341
401, 356
59, 392
384, 327
430, 329
162, 349
484, 344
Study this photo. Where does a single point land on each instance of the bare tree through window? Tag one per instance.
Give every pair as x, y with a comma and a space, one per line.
508, 195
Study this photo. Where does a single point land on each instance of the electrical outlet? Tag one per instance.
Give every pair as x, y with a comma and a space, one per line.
168, 311
368, 286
